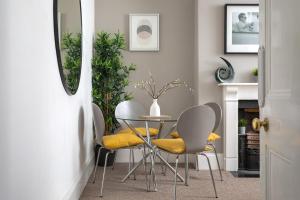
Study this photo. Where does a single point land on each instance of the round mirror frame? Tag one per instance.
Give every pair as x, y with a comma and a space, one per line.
58, 51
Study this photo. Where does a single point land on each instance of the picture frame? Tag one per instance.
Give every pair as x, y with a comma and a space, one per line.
241, 32
144, 32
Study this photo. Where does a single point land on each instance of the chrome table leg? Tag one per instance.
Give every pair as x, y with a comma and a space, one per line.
134, 168
170, 167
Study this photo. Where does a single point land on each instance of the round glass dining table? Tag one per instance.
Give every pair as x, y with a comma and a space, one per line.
162, 119
153, 152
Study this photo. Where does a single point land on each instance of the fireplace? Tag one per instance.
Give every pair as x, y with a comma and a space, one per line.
236, 95
248, 142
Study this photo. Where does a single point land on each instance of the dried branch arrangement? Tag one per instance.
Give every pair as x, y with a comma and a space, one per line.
150, 87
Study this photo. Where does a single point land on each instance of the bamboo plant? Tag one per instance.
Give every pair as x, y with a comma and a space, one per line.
110, 75
71, 46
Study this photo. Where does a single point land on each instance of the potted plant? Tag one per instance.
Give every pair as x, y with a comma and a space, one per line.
109, 79
242, 126
149, 86
71, 47
255, 73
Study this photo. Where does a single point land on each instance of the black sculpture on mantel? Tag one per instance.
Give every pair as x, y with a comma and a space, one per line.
224, 74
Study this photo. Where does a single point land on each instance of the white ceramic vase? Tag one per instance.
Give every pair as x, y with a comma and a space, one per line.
154, 109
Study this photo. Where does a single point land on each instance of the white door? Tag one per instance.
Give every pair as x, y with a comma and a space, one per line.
279, 93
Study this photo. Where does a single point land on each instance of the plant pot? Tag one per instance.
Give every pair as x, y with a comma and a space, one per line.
110, 159
242, 130
255, 79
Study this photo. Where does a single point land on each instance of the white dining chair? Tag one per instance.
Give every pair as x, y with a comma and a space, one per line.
110, 142
194, 125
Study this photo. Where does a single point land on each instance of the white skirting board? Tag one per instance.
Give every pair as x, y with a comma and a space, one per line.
123, 157
203, 165
76, 190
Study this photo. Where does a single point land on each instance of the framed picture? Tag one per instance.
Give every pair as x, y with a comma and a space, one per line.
241, 28
144, 32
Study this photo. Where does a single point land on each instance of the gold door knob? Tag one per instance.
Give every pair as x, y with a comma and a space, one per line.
257, 124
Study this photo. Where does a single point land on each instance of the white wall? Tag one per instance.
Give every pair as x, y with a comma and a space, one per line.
210, 46
45, 135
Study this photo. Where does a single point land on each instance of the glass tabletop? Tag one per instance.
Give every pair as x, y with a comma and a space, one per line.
161, 118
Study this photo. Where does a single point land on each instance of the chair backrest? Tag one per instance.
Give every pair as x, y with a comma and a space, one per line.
194, 126
218, 112
99, 122
130, 110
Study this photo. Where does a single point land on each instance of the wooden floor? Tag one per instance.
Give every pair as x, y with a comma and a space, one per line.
200, 186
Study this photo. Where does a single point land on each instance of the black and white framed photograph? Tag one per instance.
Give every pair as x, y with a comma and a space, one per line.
241, 28
144, 32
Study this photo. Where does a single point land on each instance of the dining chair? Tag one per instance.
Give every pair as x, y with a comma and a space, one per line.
133, 110
194, 126
109, 142
213, 136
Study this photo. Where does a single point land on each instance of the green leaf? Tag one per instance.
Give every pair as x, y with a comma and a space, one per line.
71, 48
110, 75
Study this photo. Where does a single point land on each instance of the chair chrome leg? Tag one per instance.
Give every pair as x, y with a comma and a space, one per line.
175, 179
211, 174
186, 158
96, 164
103, 176
197, 163
130, 158
213, 146
113, 167
133, 163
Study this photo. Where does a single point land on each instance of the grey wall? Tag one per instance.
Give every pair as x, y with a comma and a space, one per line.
191, 42
210, 32
176, 56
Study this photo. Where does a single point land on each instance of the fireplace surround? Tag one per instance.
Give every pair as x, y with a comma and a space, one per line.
232, 94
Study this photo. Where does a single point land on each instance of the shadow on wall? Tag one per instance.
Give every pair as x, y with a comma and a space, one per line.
82, 148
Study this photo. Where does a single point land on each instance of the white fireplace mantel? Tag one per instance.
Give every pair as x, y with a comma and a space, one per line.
232, 93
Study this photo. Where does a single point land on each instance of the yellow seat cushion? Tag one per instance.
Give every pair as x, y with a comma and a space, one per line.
142, 131
208, 148
211, 138
175, 146
175, 134
119, 141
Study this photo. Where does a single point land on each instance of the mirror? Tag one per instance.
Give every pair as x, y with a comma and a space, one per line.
68, 34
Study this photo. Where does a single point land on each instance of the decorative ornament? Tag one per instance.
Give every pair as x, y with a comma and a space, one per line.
150, 86
224, 74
